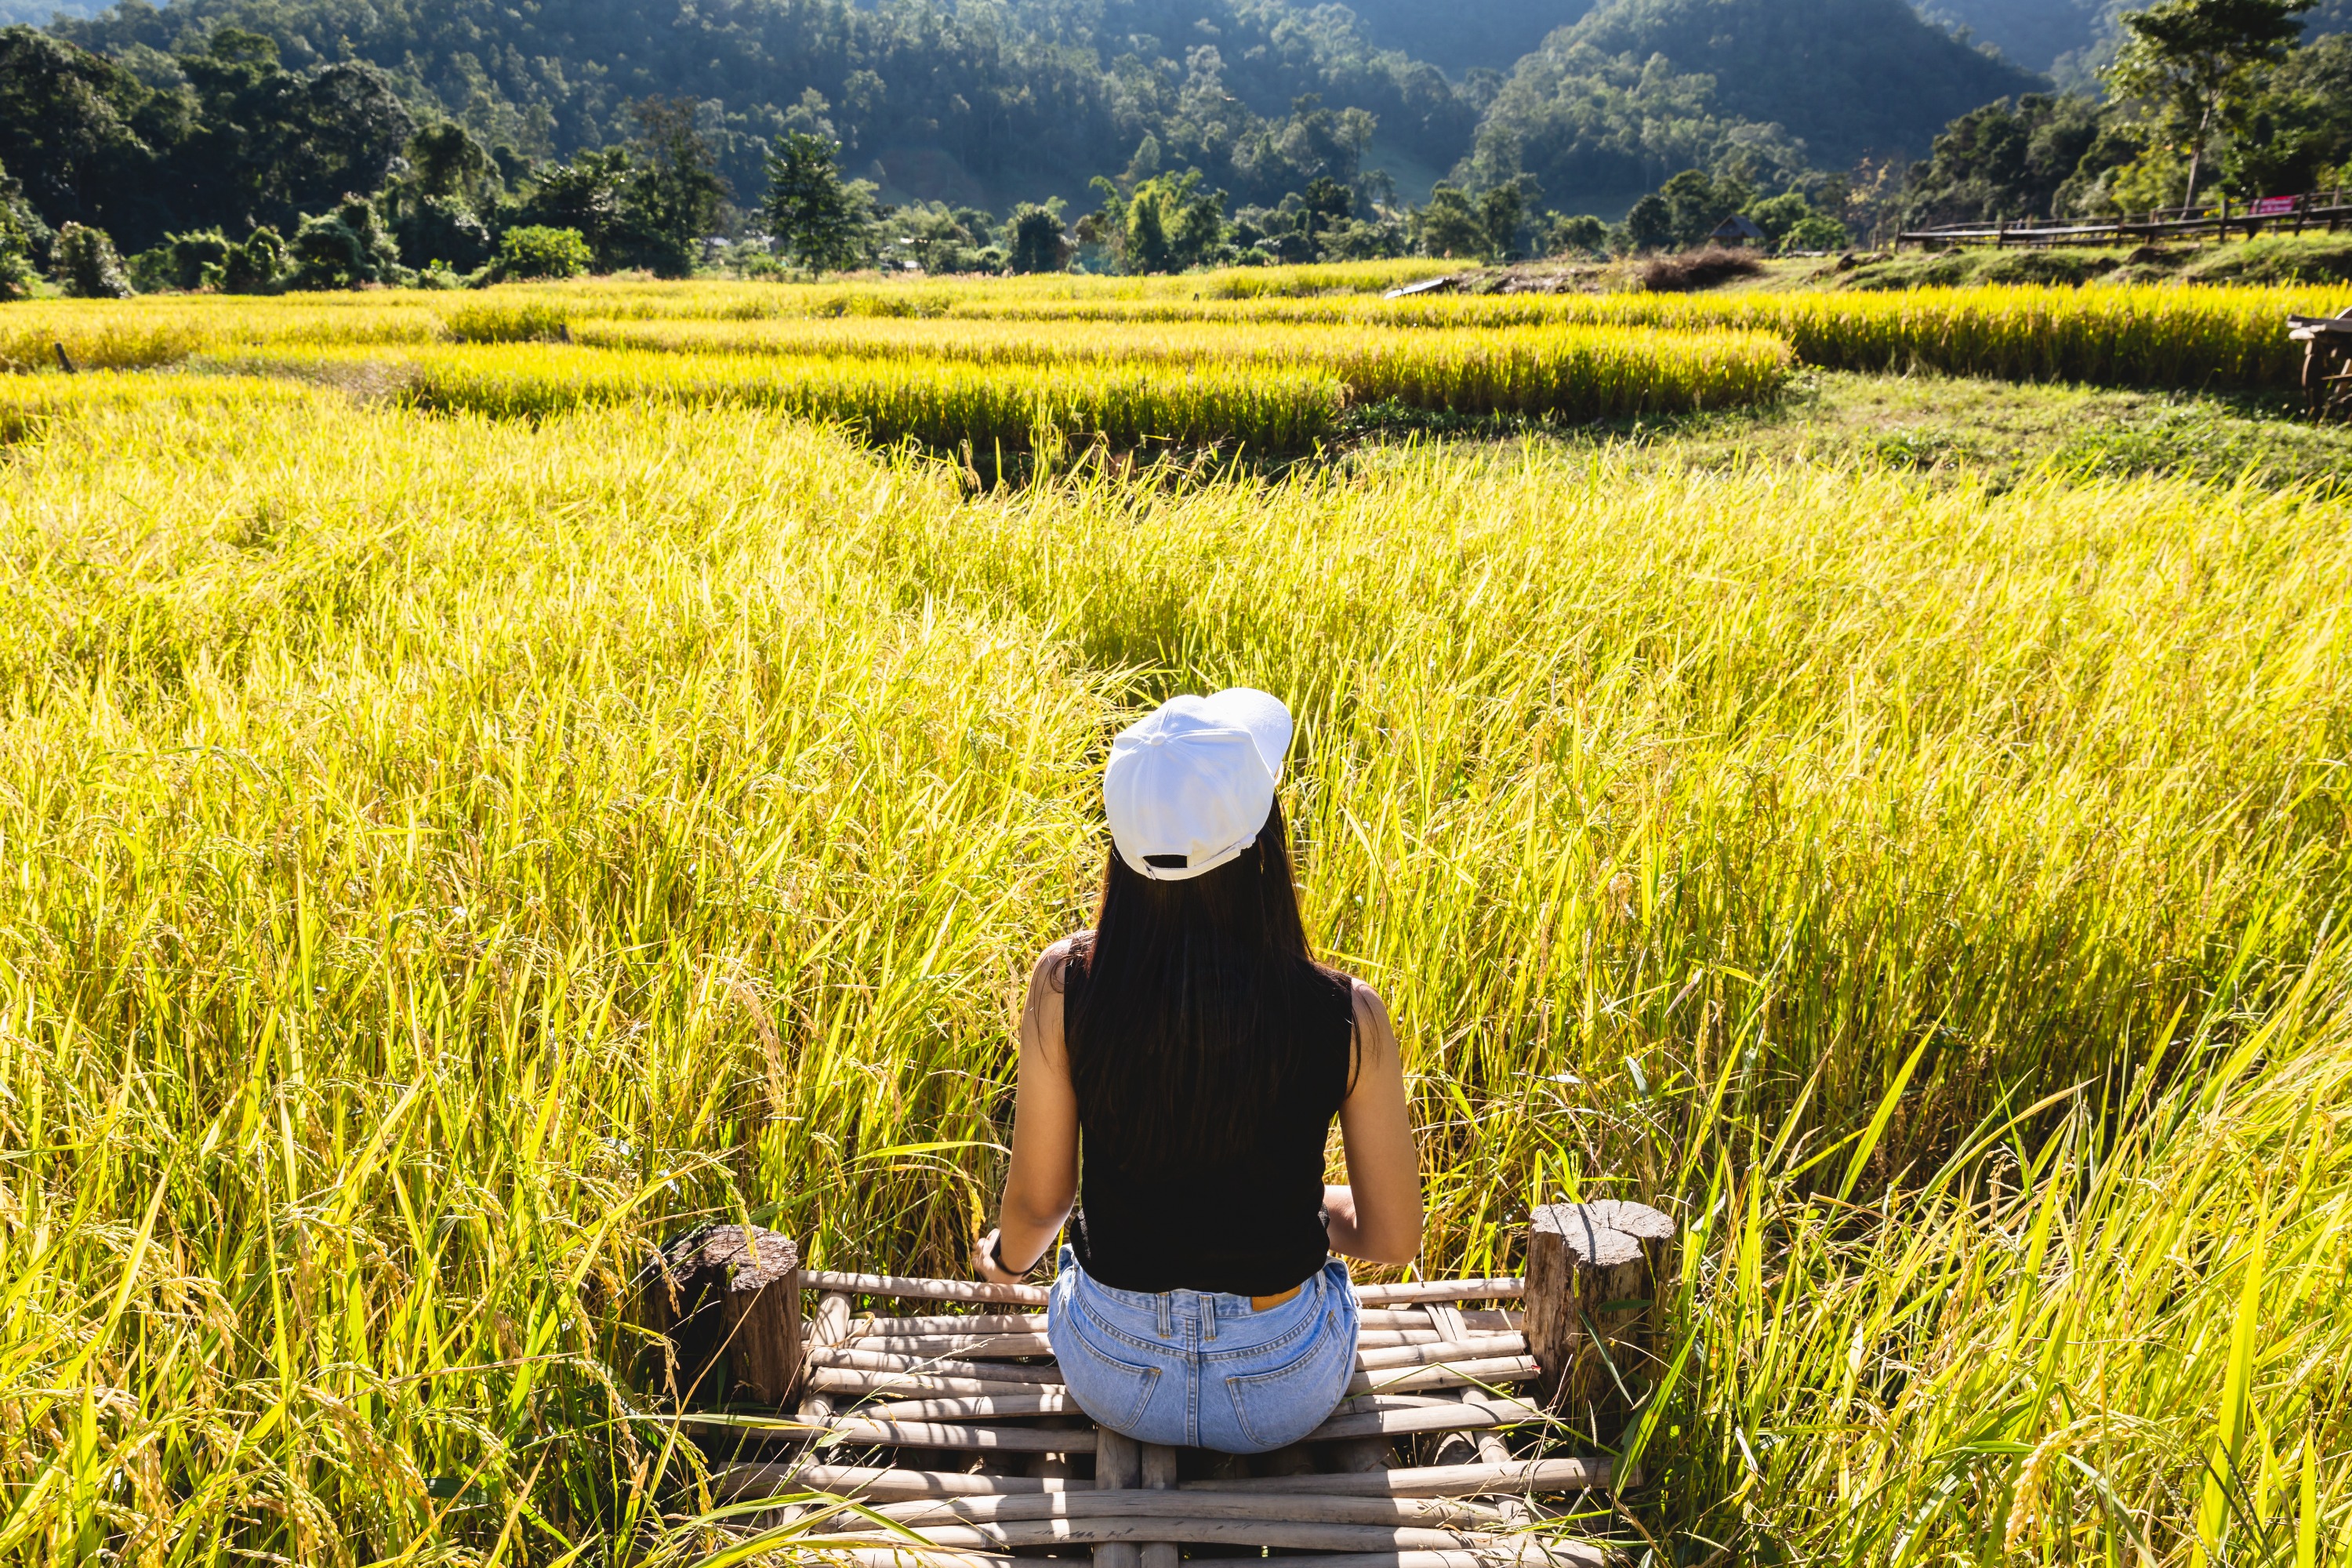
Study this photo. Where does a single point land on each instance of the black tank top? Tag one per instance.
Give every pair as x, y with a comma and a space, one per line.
1248, 1227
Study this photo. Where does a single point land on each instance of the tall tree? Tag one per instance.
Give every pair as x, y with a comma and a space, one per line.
676, 195
819, 218
2197, 57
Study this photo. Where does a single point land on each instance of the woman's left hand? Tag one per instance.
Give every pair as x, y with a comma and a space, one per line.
983, 1262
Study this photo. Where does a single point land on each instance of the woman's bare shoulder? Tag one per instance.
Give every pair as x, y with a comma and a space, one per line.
1054, 962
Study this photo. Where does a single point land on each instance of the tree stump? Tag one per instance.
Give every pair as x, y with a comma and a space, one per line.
731, 1291
1593, 1275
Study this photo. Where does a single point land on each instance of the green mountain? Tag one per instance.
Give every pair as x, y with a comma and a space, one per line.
1608, 107
1489, 34
962, 101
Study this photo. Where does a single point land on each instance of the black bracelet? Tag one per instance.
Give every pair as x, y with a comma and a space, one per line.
996, 1256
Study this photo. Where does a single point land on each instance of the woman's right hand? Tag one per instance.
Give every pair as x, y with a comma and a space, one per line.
983, 1262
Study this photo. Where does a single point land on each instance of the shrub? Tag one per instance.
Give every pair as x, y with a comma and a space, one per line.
1038, 243
85, 265
257, 265
1697, 269
536, 250
442, 229
1582, 235
197, 258
344, 250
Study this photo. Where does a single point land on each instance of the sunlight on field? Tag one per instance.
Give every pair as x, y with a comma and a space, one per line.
449, 850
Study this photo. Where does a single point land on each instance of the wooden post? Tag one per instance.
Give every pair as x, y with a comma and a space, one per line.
732, 1291
1118, 1466
1158, 1470
1594, 1271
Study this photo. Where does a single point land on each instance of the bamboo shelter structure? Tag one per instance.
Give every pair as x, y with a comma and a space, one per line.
1478, 1406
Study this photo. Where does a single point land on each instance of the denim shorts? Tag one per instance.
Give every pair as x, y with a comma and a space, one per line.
1198, 1370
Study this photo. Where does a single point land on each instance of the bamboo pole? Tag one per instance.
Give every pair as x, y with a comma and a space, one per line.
909, 1554
869, 1384
969, 1323
978, 1408
969, 1346
911, 1288
1510, 1551
1164, 1531
846, 1359
1157, 1471
873, 1483
1332, 1508
1503, 1369
1476, 1347
857, 1432
1119, 1467
1447, 1416
882, 1483
831, 1321
1517, 1479
1492, 1289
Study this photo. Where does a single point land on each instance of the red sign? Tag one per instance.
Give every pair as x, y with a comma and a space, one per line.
2275, 206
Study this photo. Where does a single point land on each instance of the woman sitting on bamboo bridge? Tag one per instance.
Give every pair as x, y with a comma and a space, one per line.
1179, 1067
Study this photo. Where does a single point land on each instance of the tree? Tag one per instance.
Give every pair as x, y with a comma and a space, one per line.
584, 196
2195, 58
533, 250
85, 265
1038, 243
675, 198
1501, 210
821, 220
344, 249
70, 130
1583, 235
256, 266
1448, 226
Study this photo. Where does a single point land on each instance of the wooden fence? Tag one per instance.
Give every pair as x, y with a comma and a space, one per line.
2274, 214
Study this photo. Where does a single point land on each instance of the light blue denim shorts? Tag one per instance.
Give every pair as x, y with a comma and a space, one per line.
1199, 1370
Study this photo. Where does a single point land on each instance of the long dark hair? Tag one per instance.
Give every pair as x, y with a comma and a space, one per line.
1191, 1002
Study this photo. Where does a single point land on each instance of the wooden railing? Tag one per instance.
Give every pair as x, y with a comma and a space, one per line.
2277, 215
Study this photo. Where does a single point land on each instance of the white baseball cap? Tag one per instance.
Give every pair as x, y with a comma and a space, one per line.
1190, 784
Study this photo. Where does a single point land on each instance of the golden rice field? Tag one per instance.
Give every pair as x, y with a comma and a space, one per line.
471, 809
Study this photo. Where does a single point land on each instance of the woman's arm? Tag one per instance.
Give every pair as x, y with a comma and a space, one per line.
1043, 1179
1377, 1216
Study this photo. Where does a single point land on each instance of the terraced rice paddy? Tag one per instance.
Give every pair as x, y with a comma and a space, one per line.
466, 820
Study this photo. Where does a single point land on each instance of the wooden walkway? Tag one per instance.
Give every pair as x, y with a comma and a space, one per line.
1476, 1410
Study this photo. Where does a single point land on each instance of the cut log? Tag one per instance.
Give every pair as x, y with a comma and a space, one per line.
1332, 1508
1164, 1531
728, 1294
1524, 1476
1488, 1289
1594, 1269
908, 1288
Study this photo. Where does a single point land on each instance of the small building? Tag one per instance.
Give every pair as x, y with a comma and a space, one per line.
1737, 229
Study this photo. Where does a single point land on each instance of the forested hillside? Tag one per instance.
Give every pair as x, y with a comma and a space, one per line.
962, 102
1640, 89
991, 104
